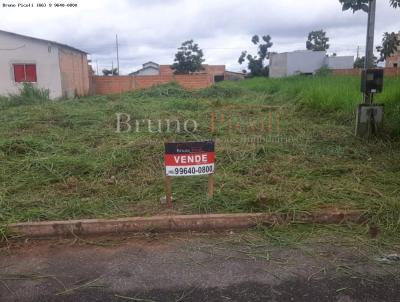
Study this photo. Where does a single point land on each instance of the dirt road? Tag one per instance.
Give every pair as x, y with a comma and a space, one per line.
192, 267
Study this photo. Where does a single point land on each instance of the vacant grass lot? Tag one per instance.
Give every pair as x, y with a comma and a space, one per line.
64, 159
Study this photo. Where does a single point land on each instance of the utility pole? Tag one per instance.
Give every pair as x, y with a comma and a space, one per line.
97, 67
369, 52
369, 115
112, 68
358, 52
116, 42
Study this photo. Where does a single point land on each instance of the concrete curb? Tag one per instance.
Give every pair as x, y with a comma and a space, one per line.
174, 223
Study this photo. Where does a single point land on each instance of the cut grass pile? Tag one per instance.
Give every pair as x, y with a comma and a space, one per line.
64, 159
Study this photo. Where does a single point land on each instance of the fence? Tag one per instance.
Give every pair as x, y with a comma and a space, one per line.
391, 72
118, 84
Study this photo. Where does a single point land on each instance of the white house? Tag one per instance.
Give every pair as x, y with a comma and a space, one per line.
46, 64
305, 62
149, 68
339, 62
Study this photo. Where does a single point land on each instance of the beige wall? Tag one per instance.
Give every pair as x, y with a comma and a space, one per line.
74, 73
20, 50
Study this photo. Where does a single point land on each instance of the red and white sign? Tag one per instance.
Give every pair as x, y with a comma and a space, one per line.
190, 158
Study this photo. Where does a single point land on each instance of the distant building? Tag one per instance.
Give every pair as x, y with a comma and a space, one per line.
60, 68
213, 70
339, 62
234, 76
151, 68
394, 60
305, 62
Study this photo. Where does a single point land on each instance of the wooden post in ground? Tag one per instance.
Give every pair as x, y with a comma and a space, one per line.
270, 121
277, 117
168, 190
210, 191
213, 121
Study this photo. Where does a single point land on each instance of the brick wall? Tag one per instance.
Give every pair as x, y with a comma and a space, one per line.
166, 70
215, 69
355, 71
392, 71
109, 85
118, 84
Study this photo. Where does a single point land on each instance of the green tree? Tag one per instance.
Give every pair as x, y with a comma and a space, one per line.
360, 62
390, 44
395, 3
189, 58
257, 64
317, 41
356, 5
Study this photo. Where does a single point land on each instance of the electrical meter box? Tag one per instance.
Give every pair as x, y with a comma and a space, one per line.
372, 80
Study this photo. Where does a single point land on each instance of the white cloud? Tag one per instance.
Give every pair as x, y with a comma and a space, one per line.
153, 29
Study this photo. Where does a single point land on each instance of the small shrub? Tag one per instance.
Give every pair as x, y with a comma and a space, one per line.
324, 71
165, 90
3, 102
175, 90
28, 94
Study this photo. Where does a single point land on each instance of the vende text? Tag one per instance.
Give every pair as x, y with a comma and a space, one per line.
191, 159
